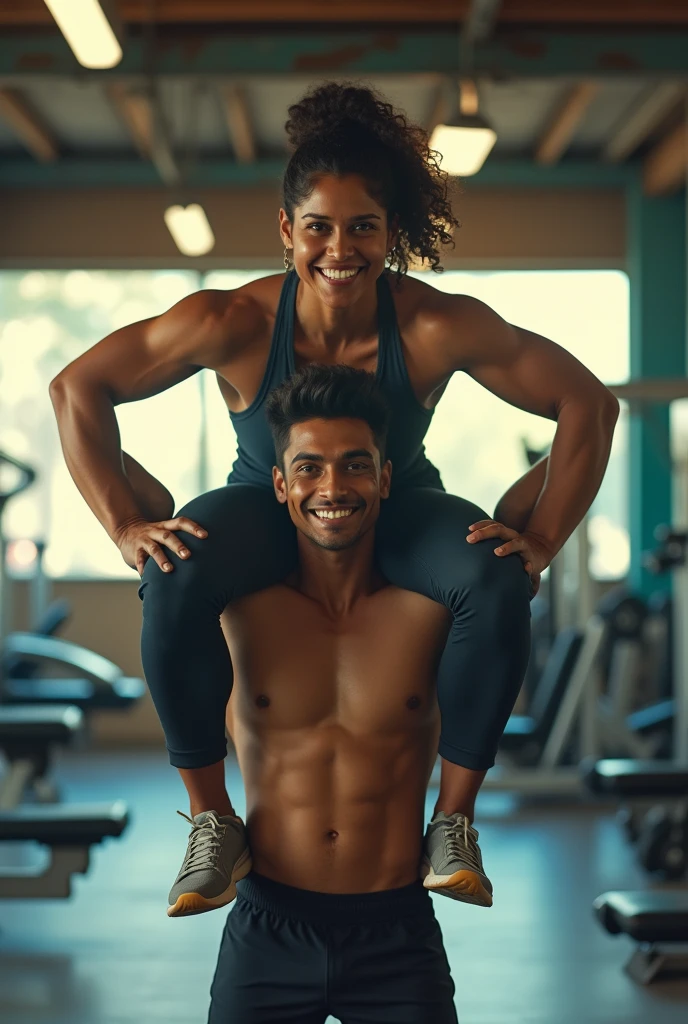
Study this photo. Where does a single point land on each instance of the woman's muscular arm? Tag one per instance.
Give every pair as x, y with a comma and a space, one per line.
537, 375
203, 330
516, 505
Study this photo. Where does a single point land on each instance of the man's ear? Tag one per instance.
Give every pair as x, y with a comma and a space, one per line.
285, 229
385, 479
280, 485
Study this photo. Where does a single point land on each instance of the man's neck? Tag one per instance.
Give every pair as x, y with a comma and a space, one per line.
337, 579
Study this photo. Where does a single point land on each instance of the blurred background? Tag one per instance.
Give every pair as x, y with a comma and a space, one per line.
141, 152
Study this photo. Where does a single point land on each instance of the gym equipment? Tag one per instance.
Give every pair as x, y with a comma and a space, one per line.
655, 811
27, 739
658, 921
639, 393
69, 832
28, 734
101, 684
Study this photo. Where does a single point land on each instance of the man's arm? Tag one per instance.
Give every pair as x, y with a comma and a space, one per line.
539, 376
133, 363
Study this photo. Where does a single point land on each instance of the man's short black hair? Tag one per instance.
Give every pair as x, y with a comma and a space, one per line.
328, 393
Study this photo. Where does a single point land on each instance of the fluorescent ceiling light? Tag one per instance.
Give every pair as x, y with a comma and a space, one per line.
190, 229
88, 31
465, 139
464, 142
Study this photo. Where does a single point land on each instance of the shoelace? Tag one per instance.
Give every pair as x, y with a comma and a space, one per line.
470, 855
204, 844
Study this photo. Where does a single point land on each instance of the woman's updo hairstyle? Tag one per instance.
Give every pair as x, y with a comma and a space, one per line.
344, 129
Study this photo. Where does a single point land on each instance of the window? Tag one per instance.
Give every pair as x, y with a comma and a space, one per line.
476, 439
184, 436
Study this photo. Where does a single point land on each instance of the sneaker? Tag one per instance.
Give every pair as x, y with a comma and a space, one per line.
452, 863
216, 858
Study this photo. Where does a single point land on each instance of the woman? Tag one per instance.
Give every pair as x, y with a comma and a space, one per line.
362, 196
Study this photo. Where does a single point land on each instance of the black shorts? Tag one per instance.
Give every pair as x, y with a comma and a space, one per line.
294, 956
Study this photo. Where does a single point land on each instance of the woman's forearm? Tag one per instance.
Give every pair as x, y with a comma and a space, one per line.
516, 505
575, 469
90, 440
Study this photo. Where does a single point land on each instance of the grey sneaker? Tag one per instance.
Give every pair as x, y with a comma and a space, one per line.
452, 863
216, 858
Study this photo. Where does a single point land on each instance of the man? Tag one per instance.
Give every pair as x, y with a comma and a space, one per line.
335, 723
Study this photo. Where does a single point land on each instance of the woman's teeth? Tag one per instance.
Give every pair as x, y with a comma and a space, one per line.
334, 515
338, 275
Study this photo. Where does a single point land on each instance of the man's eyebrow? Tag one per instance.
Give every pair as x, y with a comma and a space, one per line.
306, 455
359, 216
357, 453
353, 453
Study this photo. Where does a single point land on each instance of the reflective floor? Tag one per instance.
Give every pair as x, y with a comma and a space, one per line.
110, 955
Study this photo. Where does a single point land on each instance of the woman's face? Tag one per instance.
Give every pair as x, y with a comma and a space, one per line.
339, 239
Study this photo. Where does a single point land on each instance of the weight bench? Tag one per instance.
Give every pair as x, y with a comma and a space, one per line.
69, 832
628, 779
656, 813
101, 685
654, 920
27, 736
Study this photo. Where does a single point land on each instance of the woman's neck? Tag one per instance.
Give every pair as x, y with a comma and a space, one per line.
332, 328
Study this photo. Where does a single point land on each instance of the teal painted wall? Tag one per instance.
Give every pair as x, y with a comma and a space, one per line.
657, 271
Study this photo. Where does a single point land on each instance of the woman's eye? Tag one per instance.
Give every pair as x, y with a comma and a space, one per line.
364, 224
316, 224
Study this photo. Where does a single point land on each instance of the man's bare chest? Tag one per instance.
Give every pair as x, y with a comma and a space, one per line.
374, 670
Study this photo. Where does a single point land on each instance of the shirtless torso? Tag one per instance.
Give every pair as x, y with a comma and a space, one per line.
336, 725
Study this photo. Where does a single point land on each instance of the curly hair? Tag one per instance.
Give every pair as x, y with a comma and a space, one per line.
342, 128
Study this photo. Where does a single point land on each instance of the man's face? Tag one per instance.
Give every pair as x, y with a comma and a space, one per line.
332, 482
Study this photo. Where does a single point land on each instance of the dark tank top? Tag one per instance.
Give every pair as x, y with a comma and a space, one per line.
409, 419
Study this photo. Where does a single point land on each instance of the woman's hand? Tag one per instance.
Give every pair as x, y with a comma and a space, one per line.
139, 540
532, 550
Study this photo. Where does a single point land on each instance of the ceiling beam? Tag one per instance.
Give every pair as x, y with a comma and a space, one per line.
642, 119
141, 115
665, 168
516, 12
72, 172
562, 127
240, 53
28, 125
239, 123
480, 21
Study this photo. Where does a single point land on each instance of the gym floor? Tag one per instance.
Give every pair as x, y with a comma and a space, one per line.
110, 955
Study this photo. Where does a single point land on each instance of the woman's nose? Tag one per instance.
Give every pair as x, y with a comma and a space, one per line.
340, 246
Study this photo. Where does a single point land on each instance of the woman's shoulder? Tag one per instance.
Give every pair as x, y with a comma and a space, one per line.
419, 304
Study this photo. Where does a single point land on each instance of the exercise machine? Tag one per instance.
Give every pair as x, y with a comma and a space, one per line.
654, 809
28, 734
68, 832
657, 922
28, 737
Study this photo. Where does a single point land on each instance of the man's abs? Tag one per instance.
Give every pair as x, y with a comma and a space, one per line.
336, 728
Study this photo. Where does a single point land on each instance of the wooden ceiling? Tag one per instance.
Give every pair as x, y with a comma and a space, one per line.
512, 13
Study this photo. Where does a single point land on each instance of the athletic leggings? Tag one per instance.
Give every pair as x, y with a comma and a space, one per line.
420, 546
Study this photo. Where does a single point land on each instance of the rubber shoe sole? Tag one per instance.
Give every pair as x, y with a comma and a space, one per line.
464, 885
190, 903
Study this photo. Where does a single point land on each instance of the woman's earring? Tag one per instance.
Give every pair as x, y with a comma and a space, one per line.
287, 261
